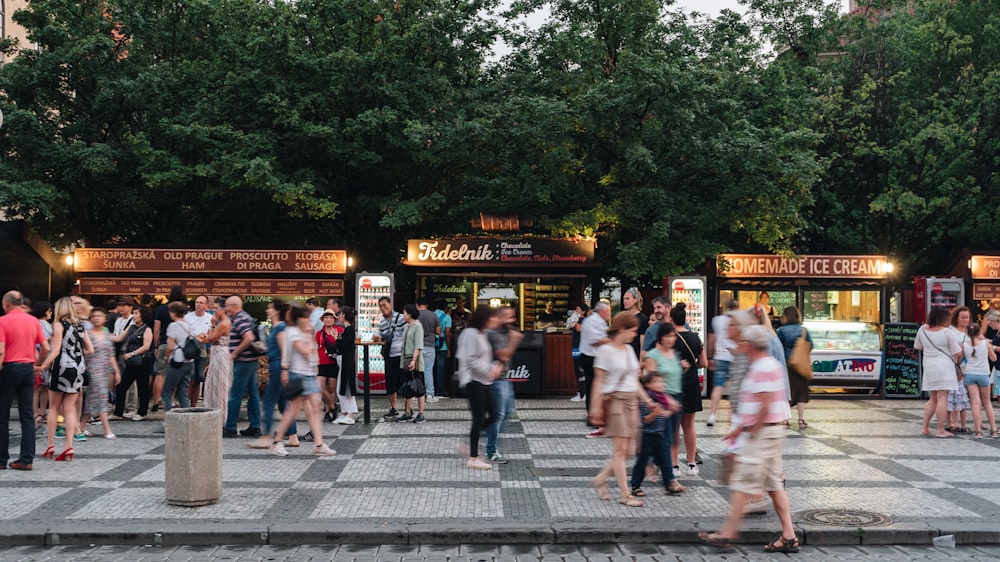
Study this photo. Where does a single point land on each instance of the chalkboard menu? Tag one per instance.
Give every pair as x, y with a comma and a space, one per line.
901, 361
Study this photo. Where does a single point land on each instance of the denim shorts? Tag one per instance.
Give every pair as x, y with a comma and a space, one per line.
309, 383
977, 379
721, 373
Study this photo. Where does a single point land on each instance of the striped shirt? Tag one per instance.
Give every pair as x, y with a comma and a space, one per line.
241, 325
764, 375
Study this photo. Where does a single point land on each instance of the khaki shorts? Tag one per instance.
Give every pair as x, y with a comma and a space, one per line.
758, 464
160, 367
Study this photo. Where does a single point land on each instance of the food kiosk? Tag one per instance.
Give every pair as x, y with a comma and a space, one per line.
841, 299
256, 275
541, 278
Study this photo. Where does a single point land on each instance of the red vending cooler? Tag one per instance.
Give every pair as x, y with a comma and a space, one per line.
691, 292
371, 287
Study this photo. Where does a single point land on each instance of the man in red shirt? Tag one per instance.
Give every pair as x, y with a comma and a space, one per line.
19, 334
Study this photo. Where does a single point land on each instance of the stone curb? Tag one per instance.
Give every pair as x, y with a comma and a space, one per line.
478, 533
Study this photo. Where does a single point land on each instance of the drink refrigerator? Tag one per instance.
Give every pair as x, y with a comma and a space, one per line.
947, 292
691, 292
371, 287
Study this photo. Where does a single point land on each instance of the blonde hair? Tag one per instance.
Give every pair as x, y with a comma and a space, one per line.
64, 310
638, 296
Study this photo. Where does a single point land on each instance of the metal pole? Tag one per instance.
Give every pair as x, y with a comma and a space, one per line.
368, 393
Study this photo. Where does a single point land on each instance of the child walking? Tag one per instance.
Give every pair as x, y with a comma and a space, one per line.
657, 433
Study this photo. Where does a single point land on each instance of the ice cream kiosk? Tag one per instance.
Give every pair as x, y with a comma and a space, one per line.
839, 297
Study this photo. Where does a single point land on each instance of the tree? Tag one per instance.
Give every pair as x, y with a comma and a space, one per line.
660, 139
907, 110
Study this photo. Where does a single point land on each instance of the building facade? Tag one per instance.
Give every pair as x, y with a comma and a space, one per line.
7, 26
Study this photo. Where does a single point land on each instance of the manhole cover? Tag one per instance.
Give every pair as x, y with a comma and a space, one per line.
843, 518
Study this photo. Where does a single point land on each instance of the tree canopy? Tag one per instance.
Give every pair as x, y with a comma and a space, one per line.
668, 136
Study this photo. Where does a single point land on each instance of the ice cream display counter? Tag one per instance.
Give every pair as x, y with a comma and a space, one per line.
846, 355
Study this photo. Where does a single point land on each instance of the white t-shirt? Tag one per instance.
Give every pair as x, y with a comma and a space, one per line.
179, 331
303, 366
621, 366
980, 364
594, 329
723, 345
198, 324
316, 319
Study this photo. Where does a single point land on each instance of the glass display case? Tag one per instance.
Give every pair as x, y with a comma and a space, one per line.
845, 355
840, 336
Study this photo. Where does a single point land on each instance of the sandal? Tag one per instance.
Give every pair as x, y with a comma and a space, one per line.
802, 424
994, 434
637, 492
675, 489
716, 540
979, 435
784, 545
630, 501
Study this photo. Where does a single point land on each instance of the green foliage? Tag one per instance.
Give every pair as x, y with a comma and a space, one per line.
908, 131
667, 136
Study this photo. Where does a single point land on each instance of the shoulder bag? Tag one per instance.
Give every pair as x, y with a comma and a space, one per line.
799, 360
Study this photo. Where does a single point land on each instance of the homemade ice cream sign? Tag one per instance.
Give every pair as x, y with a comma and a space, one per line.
745, 266
459, 252
298, 262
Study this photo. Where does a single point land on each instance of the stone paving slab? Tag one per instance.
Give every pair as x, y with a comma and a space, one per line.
405, 484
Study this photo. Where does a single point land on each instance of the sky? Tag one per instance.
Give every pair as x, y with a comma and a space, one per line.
708, 7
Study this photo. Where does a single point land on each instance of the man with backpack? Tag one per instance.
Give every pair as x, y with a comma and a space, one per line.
244, 357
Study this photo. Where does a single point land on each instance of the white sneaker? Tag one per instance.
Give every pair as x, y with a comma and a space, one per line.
711, 420
348, 420
432, 398
128, 415
693, 469
576, 398
322, 450
340, 420
278, 450
137, 417
479, 464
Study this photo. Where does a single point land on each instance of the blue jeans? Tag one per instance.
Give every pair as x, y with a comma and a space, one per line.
441, 371
176, 383
657, 447
272, 397
18, 381
429, 369
244, 381
502, 396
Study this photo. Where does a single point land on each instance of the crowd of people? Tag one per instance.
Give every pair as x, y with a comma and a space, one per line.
77, 365
957, 360
639, 379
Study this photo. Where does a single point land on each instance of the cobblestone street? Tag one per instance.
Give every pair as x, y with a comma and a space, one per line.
404, 483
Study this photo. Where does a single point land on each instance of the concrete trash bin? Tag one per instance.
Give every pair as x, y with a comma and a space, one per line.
193, 456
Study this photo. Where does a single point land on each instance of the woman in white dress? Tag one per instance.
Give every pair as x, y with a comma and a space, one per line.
941, 352
219, 376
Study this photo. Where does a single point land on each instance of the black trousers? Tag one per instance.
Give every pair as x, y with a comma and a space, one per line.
139, 375
481, 407
587, 364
